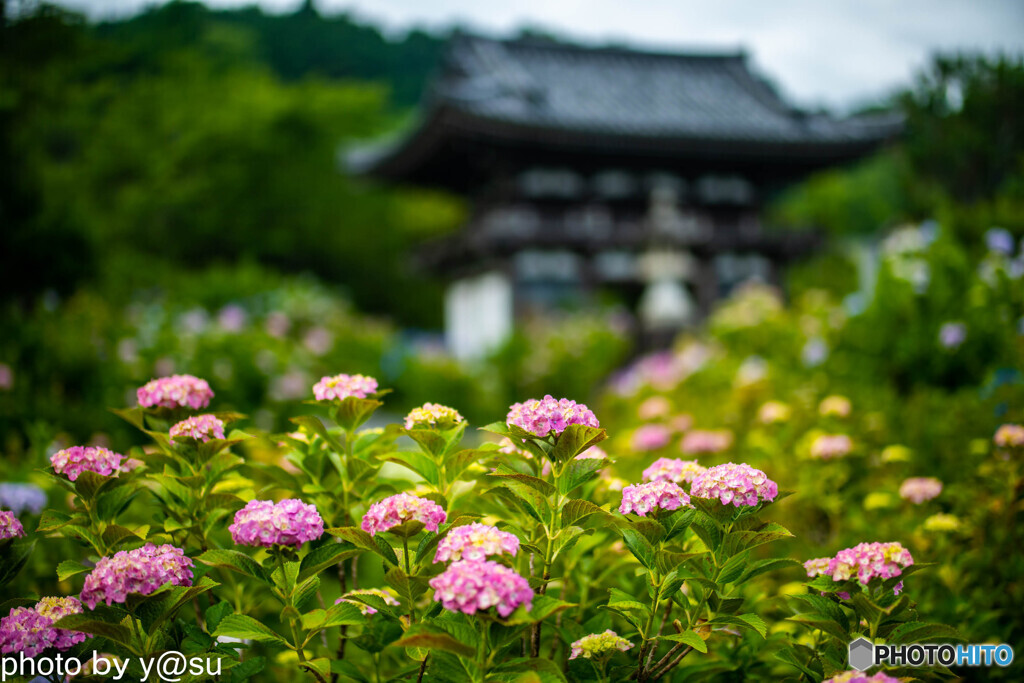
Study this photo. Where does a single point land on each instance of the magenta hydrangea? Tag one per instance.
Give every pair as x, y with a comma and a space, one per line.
400, 508
549, 416
201, 428
864, 562
920, 489
141, 571
264, 523
343, 386
470, 586
674, 470
650, 437
861, 677
176, 391
643, 498
739, 484
77, 459
10, 525
476, 542
29, 630
706, 441
829, 446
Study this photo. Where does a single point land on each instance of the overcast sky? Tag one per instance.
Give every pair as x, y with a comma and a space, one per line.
838, 53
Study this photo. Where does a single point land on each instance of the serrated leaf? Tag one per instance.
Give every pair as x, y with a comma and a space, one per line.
574, 440
576, 510
759, 567
246, 628
324, 556
541, 486
436, 641
688, 637
236, 562
69, 568
84, 623
917, 632
641, 548
578, 472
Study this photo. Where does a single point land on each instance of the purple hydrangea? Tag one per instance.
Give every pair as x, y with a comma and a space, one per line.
919, 489
643, 498
29, 630
10, 526
266, 523
952, 335
549, 416
343, 386
77, 459
737, 484
470, 586
398, 509
674, 470
141, 571
21, 497
706, 441
176, 391
475, 542
200, 428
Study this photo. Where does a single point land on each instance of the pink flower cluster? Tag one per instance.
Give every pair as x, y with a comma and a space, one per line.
343, 386
470, 586
650, 437
433, 415
176, 391
737, 484
643, 498
142, 571
674, 469
866, 561
706, 441
365, 609
548, 415
266, 523
861, 677
29, 630
597, 645
919, 489
475, 542
400, 508
828, 446
10, 525
201, 428
1009, 436
77, 459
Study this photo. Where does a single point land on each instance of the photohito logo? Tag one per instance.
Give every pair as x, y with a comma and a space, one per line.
864, 655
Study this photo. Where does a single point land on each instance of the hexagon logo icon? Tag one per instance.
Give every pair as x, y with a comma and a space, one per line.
862, 654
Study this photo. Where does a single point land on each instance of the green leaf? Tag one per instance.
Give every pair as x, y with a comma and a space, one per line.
246, 628
86, 623
506, 472
112, 503
436, 641
114, 535
170, 602
824, 624
89, 484
320, 667
788, 656
69, 568
314, 425
351, 412
324, 556
13, 557
574, 440
688, 637
456, 463
751, 621
531, 500
732, 569
751, 538
759, 567
51, 520
236, 562
578, 472
917, 632
362, 539
537, 670
418, 463
576, 510
543, 607
215, 613
641, 548
825, 607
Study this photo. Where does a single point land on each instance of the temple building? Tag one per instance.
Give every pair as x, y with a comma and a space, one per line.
597, 173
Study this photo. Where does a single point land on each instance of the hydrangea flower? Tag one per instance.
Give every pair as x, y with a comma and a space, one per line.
861, 677
433, 415
266, 523
597, 645
470, 586
817, 567
835, 406
142, 571
828, 446
343, 386
737, 484
549, 416
10, 526
77, 459
365, 609
1009, 436
400, 508
201, 428
706, 441
475, 542
29, 630
681, 422
654, 408
176, 391
643, 498
21, 497
952, 335
650, 437
919, 489
774, 412
673, 469
868, 561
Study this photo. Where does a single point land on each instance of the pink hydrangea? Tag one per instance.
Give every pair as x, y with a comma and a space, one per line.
266, 523
868, 561
673, 469
681, 422
817, 567
549, 416
141, 571
737, 484
29, 630
398, 509
643, 498
343, 386
706, 441
654, 408
365, 609
650, 437
77, 459
176, 391
828, 446
597, 645
470, 586
1009, 436
10, 525
201, 428
919, 489
861, 677
475, 542
433, 415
